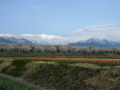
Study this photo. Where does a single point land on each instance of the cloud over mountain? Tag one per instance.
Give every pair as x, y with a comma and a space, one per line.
42, 36
109, 32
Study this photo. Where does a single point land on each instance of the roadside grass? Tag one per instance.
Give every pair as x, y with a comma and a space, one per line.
7, 85
17, 67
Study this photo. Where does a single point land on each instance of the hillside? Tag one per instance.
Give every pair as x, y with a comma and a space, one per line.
53, 76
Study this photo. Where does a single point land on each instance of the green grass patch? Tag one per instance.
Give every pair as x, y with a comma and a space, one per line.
7, 85
18, 67
1, 61
103, 64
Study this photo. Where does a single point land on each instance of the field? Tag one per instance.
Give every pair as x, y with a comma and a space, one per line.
62, 71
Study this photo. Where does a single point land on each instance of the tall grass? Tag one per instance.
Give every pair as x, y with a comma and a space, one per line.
7, 85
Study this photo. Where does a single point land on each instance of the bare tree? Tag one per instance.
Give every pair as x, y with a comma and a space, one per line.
63, 49
39, 48
93, 49
74, 49
10, 48
52, 48
69, 49
57, 48
17, 47
116, 50
84, 49
3, 47
25, 48
32, 47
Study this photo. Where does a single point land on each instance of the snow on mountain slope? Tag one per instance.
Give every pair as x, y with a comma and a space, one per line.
10, 39
37, 39
45, 39
96, 42
51, 40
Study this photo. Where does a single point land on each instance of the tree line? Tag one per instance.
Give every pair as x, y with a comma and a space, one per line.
24, 47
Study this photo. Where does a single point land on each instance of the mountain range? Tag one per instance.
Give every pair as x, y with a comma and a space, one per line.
35, 39
52, 40
14, 40
96, 42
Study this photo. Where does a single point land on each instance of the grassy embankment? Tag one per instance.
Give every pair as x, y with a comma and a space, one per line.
63, 75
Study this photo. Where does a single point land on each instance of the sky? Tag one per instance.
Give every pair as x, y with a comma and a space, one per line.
76, 19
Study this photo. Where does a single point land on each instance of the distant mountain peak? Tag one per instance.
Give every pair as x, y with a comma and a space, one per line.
96, 42
96, 39
37, 39
11, 39
52, 40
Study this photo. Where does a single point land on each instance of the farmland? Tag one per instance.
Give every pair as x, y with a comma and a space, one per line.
59, 44
63, 71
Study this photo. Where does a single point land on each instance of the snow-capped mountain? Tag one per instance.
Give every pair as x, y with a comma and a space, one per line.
14, 40
36, 39
52, 40
46, 39
96, 42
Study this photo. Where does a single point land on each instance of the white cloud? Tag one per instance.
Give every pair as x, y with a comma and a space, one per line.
8, 35
109, 32
28, 35
79, 30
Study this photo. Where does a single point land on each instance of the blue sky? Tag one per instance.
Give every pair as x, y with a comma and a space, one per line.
57, 17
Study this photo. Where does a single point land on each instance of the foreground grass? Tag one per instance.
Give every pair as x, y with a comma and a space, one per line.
7, 85
62, 76
1, 61
17, 67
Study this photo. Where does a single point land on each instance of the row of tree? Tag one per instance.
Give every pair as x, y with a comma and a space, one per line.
24, 47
